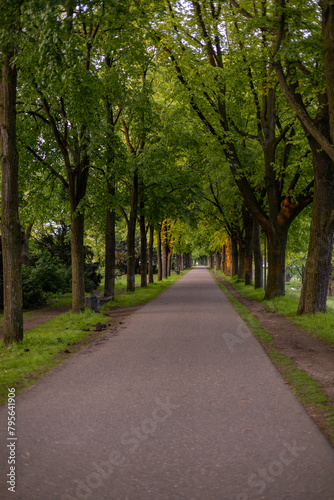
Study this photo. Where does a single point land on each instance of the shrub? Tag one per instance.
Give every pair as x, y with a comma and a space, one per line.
33, 293
92, 276
46, 277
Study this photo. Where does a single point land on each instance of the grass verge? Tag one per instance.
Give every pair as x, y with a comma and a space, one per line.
308, 391
320, 325
48, 345
142, 295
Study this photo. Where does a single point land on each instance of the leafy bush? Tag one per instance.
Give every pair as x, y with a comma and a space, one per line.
49, 271
46, 277
52, 275
33, 293
92, 276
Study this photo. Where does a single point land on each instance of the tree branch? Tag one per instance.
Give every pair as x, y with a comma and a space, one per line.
242, 11
302, 114
46, 164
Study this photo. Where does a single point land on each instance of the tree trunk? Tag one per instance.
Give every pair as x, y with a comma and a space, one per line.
328, 32
159, 257
110, 236
258, 258
164, 258
169, 264
249, 259
131, 237
10, 224
234, 257
242, 260
165, 250
77, 192
223, 261
143, 249
110, 261
318, 266
276, 263
169, 260
177, 260
248, 226
218, 261
78, 262
150, 255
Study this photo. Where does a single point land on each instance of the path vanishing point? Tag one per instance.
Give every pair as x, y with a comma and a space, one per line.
180, 402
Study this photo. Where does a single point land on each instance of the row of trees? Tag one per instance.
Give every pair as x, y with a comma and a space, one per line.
167, 112
275, 59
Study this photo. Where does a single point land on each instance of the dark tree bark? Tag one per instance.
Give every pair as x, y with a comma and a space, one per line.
234, 257
110, 249
318, 266
276, 262
159, 256
242, 259
143, 247
10, 224
258, 258
131, 237
165, 249
78, 263
150, 255
328, 32
248, 226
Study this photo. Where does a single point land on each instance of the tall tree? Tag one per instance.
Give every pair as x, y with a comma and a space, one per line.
59, 107
307, 82
10, 224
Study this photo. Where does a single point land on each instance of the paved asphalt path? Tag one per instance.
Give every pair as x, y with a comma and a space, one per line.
182, 403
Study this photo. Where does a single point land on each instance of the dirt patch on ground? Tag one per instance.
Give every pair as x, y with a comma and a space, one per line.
310, 354
114, 317
40, 316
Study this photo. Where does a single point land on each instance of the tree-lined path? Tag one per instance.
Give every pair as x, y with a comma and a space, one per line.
178, 402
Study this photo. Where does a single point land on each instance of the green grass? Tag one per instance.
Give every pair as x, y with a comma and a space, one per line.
143, 295
43, 347
320, 325
253, 323
66, 299
121, 282
19, 363
308, 391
